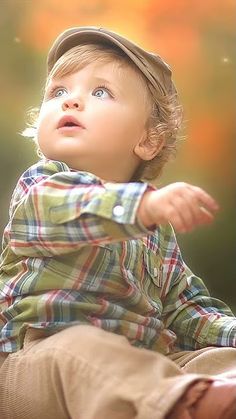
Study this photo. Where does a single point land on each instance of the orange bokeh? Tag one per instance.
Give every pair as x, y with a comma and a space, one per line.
175, 30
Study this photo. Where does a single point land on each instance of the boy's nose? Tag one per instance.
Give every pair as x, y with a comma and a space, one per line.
72, 103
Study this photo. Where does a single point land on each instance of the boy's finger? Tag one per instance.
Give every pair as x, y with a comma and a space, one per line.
207, 217
206, 199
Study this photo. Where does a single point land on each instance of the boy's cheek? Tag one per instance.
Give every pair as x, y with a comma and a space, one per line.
41, 116
43, 131
46, 118
47, 108
40, 129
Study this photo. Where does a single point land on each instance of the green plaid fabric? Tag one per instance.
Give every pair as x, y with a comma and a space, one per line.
74, 252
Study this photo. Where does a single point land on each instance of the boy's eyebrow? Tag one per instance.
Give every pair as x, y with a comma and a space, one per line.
107, 81
98, 78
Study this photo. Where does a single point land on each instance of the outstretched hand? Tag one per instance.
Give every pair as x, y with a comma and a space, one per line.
183, 205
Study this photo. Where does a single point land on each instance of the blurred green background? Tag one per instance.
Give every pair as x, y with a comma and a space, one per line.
198, 40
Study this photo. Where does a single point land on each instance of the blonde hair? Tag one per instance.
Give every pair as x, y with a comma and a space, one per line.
165, 114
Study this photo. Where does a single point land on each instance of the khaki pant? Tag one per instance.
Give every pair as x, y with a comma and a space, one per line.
84, 372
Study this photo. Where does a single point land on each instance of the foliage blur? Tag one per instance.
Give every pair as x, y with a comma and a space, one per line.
198, 40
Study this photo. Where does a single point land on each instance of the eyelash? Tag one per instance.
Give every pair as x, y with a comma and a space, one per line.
51, 92
103, 86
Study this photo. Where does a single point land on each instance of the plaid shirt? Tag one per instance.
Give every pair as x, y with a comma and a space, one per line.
75, 253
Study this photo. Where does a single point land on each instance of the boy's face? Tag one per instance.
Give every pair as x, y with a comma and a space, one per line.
93, 119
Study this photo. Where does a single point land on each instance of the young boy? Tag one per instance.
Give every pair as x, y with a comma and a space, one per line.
100, 317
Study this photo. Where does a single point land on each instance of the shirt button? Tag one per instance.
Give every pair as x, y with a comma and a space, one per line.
118, 211
155, 272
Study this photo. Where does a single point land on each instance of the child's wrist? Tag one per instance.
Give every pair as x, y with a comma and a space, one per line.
144, 211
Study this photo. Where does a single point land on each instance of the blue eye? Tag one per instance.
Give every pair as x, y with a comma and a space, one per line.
60, 91
101, 92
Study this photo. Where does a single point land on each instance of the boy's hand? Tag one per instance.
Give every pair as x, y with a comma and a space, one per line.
184, 206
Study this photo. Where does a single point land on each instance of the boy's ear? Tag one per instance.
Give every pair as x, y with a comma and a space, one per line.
146, 150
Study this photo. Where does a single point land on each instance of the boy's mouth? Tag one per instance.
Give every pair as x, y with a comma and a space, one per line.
69, 122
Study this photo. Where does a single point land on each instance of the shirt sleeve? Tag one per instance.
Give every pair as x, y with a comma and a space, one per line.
197, 319
55, 211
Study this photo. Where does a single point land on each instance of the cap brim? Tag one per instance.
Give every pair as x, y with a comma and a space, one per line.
141, 58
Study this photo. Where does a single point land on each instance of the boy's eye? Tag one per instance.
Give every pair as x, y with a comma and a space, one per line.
59, 91
55, 92
101, 92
